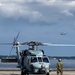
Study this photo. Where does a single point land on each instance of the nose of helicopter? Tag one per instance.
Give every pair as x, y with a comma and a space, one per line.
41, 67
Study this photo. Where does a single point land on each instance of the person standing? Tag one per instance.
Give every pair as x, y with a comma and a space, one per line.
59, 67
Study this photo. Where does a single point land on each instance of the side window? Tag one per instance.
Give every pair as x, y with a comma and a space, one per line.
45, 59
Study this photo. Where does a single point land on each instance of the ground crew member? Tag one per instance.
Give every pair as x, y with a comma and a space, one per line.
59, 67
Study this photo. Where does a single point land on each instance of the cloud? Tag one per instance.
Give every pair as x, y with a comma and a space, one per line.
16, 11
67, 13
37, 11
72, 3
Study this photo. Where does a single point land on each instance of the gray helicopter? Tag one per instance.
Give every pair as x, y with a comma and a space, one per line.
33, 59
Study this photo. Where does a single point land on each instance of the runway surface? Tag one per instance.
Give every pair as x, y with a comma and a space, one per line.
19, 73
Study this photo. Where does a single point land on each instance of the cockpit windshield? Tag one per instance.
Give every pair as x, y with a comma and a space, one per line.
39, 59
33, 59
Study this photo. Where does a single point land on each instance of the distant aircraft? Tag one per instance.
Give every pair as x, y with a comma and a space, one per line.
63, 33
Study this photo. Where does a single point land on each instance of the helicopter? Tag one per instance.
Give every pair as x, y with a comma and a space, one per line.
33, 60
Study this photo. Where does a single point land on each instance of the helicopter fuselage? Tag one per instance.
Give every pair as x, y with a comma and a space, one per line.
33, 61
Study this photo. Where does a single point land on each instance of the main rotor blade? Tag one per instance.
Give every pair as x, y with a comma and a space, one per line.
6, 43
51, 44
11, 50
15, 39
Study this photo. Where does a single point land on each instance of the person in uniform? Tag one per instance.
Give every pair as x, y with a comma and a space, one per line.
59, 67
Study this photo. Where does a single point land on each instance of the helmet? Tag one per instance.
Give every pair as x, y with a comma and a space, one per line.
59, 59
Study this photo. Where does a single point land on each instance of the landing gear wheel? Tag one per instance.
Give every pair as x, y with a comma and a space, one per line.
47, 73
22, 73
32, 68
27, 73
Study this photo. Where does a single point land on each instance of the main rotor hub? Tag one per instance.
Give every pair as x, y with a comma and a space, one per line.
33, 43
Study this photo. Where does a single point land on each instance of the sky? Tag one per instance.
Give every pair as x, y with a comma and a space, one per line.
47, 21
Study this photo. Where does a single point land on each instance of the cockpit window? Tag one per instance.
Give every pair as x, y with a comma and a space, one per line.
33, 59
45, 59
39, 59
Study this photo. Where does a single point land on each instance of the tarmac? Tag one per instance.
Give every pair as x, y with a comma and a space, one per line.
18, 72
